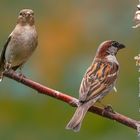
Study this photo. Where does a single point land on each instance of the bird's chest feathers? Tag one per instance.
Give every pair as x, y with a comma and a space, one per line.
112, 59
26, 36
22, 44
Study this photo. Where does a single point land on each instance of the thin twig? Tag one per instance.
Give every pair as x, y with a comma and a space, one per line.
72, 101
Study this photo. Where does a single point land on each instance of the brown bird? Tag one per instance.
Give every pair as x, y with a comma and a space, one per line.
21, 43
98, 81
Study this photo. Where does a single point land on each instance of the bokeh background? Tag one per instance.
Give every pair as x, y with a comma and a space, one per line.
69, 33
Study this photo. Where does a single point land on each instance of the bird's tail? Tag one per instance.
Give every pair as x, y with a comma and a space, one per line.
76, 120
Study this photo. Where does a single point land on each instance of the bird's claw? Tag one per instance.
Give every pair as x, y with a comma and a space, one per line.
108, 108
74, 102
7, 67
21, 76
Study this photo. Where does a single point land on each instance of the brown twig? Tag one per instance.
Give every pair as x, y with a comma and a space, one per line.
72, 101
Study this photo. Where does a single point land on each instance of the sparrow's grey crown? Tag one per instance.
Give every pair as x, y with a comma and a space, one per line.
117, 45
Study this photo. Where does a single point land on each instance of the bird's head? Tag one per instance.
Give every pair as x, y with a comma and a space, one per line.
26, 16
109, 47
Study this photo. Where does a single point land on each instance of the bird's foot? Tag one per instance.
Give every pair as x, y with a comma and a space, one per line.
108, 108
21, 76
74, 102
7, 66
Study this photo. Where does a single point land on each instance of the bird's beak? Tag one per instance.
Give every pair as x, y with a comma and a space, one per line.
121, 46
28, 14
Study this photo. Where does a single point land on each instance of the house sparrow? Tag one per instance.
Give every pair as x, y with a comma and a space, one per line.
98, 81
20, 44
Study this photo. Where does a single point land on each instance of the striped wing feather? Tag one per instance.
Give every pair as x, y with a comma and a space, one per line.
97, 79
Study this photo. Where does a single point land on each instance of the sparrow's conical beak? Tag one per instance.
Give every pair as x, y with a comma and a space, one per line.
121, 46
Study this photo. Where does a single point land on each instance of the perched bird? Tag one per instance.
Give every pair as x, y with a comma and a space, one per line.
21, 43
98, 81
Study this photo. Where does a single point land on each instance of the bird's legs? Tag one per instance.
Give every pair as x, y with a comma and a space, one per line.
20, 73
7, 66
107, 108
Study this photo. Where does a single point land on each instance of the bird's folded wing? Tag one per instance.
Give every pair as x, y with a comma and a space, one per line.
97, 79
2, 57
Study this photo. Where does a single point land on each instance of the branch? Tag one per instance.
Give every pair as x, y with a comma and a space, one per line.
72, 101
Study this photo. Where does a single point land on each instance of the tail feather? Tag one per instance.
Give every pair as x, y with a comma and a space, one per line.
76, 121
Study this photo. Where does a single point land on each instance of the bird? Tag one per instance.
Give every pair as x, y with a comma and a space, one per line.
20, 44
98, 81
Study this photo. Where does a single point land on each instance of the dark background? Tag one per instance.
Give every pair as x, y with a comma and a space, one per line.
69, 34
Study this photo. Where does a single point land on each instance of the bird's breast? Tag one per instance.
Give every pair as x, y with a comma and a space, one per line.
22, 44
112, 59
27, 36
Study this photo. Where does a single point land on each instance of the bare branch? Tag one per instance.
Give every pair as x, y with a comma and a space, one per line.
72, 101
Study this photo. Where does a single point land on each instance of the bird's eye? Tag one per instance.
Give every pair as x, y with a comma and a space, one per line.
20, 14
115, 44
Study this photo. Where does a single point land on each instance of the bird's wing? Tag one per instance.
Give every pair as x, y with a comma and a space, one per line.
97, 79
2, 57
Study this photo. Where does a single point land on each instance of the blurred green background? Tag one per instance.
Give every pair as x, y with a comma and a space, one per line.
69, 34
